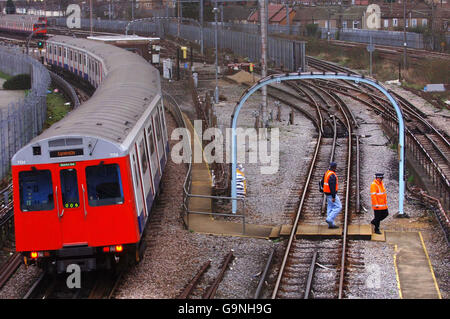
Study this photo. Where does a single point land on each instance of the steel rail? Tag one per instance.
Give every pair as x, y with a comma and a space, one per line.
9, 268
188, 290
211, 292
264, 274
312, 268
347, 198
297, 217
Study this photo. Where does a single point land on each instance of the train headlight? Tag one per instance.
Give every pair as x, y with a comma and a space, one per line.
116, 248
34, 254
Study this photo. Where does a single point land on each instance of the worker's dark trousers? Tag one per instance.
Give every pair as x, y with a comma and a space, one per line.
379, 216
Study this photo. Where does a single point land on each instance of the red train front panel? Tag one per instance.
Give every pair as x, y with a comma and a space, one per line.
75, 203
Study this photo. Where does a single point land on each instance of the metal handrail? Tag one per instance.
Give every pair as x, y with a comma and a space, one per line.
176, 111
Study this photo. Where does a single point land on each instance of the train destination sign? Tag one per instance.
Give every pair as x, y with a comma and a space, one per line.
63, 153
66, 164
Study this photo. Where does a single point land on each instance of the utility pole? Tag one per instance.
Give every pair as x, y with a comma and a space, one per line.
178, 14
287, 17
201, 26
90, 16
404, 36
216, 91
263, 20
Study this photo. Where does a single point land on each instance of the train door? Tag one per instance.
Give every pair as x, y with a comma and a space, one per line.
72, 211
164, 127
66, 63
151, 148
35, 208
145, 172
159, 138
137, 185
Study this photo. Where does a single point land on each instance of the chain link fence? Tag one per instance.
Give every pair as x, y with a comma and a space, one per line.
22, 120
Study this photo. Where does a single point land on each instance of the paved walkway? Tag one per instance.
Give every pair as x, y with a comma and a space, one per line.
8, 96
415, 274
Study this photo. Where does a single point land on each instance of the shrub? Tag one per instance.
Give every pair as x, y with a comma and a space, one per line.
311, 29
18, 82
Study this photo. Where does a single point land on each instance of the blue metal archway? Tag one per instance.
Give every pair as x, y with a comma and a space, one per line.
278, 78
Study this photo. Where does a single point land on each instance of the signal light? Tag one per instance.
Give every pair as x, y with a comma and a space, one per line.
40, 44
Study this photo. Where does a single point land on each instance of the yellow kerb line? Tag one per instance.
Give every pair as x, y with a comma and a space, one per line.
396, 273
431, 267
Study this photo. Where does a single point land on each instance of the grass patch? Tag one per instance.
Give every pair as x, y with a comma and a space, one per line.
56, 109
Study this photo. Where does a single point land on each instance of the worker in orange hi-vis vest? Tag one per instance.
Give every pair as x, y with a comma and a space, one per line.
330, 188
379, 201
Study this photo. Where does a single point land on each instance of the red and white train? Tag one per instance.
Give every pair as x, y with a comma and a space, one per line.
84, 188
26, 24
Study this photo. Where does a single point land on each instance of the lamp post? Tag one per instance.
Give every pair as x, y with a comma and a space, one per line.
216, 11
90, 17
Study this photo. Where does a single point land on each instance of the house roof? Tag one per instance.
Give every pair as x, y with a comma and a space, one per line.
281, 15
272, 11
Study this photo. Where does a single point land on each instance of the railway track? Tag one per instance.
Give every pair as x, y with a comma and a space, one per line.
92, 285
394, 53
293, 273
189, 292
427, 147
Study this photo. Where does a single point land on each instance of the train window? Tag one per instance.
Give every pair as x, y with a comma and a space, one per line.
65, 53
143, 152
85, 60
152, 142
104, 185
69, 188
75, 56
70, 55
36, 190
163, 123
158, 126
50, 49
59, 51
135, 172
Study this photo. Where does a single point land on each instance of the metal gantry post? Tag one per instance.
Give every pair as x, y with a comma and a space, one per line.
201, 27
216, 91
404, 36
263, 20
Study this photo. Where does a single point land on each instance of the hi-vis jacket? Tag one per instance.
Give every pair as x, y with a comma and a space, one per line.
330, 183
379, 195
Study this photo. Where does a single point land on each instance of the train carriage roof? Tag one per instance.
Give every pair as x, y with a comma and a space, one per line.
131, 84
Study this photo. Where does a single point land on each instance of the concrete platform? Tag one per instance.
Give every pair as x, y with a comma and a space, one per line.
206, 224
363, 232
377, 237
316, 231
415, 273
